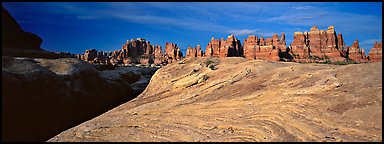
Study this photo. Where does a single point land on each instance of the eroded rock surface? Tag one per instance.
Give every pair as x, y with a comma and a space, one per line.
258, 101
42, 97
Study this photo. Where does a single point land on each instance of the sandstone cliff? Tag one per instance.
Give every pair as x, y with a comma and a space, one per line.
318, 45
137, 51
220, 48
270, 49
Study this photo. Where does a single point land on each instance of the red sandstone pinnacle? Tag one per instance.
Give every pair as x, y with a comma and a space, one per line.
251, 44
172, 52
268, 49
194, 52
190, 52
355, 53
319, 44
200, 53
158, 55
375, 54
282, 40
133, 51
340, 42
221, 48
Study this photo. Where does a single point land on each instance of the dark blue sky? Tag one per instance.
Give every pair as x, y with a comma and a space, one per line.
77, 26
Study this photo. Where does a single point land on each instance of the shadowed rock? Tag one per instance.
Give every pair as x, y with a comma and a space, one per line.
17, 42
42, 97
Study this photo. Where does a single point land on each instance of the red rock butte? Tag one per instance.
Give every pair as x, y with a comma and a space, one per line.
313, 46
194, 52
375, 54
133, 52
220, 48
269, 49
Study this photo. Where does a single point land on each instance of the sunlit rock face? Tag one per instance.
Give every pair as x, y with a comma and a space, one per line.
194, 52
221, 48
134, 51
246, 100
172, 52
375, 54
268, 49
318, 45
355, 53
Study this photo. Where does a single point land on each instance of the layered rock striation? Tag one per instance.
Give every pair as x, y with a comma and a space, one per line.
375, 54
172, 52
269, 49
355, 53
318, 45
246, 101
313, 46
134, 51
194, 52
220, 48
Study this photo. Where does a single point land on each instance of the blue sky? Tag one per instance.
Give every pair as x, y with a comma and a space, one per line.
77, 26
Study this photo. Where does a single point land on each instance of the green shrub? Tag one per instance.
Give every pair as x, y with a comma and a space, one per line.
340, 62
210, 64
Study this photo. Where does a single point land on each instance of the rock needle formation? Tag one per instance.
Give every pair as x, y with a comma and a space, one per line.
375, 54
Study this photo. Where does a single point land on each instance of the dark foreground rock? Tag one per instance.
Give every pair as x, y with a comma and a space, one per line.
19, 43
42, 97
